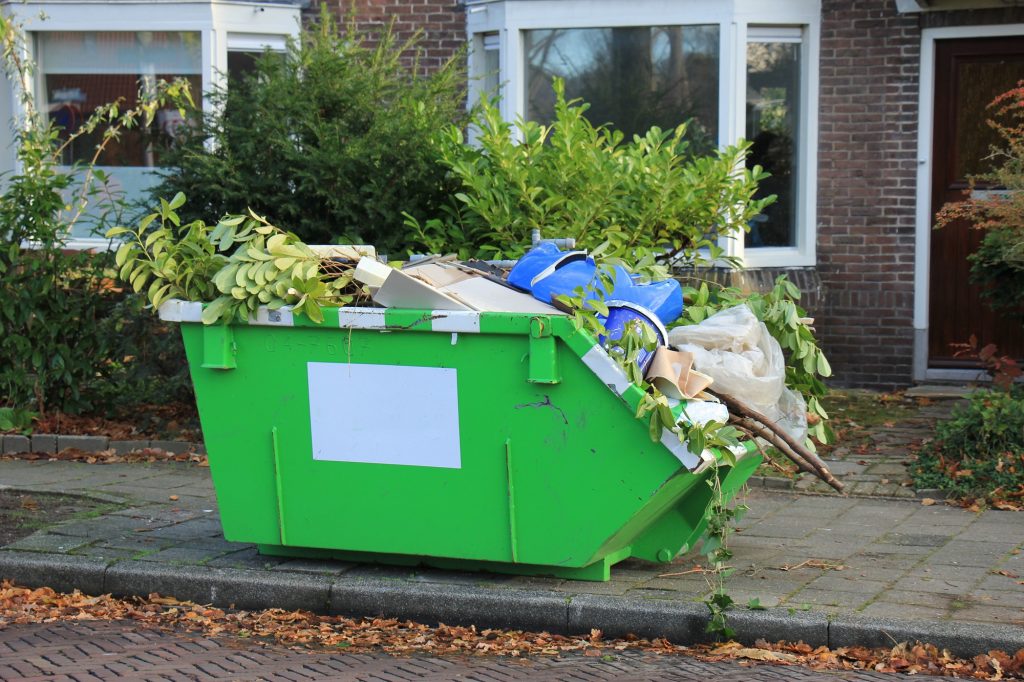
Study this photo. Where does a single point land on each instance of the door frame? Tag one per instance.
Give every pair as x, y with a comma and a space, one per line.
923, 215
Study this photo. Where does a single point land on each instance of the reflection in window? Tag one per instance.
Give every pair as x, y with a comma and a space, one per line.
633, 78
773, 109
83, 71
492, 65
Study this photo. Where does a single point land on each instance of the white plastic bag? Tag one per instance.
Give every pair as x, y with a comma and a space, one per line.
736, 350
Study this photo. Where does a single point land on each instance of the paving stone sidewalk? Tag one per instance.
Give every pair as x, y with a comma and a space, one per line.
873, 461
817, 562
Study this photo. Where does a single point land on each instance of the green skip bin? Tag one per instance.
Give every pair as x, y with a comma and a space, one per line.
505, 442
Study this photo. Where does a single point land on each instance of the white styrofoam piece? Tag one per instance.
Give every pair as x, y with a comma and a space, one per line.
364, 413
371, 272
704, 411
402, 291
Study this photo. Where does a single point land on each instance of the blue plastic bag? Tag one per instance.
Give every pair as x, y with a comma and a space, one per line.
539, 262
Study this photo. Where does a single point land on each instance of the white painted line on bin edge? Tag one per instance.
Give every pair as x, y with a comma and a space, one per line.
361, 318
176, 310
455, 321
606, 369
681, 450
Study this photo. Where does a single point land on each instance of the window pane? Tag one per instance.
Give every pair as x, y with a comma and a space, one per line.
86, 70
241, 63
773, 125
492, 69
633, 78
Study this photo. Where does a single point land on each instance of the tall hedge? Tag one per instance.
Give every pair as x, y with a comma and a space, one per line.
331, 140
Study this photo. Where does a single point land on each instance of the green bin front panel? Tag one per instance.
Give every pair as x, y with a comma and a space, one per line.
549, 471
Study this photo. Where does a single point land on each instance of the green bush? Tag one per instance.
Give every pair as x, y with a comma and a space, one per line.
1000, 274
622, 198
979, 452
332, 141
56, 304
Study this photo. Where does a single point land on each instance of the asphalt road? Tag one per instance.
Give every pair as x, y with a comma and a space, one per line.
101, 650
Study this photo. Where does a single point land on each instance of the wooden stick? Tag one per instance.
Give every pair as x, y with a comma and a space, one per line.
761, 431
741, 408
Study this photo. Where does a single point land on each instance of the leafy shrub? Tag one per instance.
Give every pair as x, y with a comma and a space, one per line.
331, 141
167, 259
143, 360
621, 198
979, 452
998, 265
55, 302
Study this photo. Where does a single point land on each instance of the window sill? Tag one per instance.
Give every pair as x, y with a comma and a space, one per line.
776, 257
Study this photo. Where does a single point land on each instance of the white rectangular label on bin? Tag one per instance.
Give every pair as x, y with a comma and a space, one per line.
384, 414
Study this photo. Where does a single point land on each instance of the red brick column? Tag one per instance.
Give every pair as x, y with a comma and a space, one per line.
867, 169
442, 23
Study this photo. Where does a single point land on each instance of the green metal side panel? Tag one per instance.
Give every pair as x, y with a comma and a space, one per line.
556, 474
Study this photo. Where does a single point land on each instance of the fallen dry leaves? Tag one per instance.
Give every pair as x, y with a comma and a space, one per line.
111, 457
169, 421
306, 630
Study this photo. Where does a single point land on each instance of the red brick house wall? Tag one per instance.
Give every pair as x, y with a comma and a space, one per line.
442, 22
867, 169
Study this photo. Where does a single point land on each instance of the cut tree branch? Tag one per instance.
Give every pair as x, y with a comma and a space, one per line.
792, 447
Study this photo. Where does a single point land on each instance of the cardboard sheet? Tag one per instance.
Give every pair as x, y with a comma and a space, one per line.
449, 286
672, 373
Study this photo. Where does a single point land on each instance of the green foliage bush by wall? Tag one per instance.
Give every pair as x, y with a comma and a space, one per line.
998, 264
331, 141
620, 198
979, 452
64, 342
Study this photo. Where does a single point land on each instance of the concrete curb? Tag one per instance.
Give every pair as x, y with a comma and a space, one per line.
465, 604
49, 443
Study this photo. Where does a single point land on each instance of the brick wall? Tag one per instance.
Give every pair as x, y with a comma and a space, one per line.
867, 172
442, 22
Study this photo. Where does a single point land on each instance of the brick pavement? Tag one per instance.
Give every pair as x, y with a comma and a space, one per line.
65, 652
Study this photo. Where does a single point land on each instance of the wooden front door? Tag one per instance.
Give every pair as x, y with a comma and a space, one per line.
968, 75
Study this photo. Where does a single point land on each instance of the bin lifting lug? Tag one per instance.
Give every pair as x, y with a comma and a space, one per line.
218, 347
543, 353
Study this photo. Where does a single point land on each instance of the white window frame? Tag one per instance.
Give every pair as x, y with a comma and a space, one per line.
223, 25
738, 21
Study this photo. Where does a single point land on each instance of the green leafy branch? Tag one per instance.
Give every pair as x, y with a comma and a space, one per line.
266, 266
787, 322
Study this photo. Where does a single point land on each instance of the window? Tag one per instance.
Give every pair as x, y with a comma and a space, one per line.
90, 53
492, 67
773, 127
737, 69
633, 77
82, 71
